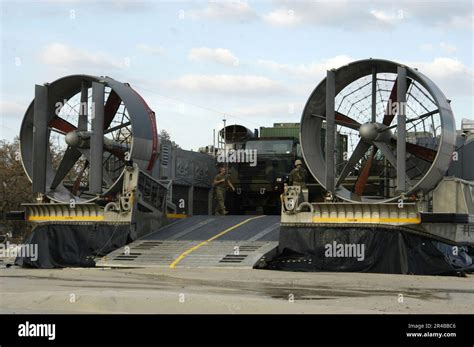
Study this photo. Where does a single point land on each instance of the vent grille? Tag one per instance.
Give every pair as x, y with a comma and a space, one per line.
248, 248
130, 257
148, 245
231, 258
165, 155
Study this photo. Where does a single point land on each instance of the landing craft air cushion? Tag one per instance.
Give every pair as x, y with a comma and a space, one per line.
112, 179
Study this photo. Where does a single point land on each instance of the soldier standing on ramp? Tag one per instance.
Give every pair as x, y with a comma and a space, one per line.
298, 175
221, 184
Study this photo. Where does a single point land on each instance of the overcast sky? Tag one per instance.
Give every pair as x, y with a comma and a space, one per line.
255, 62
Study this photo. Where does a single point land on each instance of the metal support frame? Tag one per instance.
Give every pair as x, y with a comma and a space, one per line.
374, 94
97, 138
401, 128
330, 130
83, 110
40, 138
190, 200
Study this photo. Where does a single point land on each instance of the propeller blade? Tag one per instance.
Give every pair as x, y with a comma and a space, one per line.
387, 152
77, 182
389, 114
97, 139
105, 176
364, 174
357, 155
62, 125
347, 121
67, 163
40, 138
111, 107
418, 151
421, 152
342, 120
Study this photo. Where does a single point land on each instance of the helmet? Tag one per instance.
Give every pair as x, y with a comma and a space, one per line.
298, 162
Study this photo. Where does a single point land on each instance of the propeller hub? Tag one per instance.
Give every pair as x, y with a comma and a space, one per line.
368, 132
73, 139
78, 139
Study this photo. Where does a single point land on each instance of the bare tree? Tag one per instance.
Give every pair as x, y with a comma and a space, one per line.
15, 187
164, 135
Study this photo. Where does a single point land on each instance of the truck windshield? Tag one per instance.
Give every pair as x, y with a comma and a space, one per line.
271, 147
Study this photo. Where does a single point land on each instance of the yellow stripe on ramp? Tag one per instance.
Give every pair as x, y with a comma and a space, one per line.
192, 249
176, 215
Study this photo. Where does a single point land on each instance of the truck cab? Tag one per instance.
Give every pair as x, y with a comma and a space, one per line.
260, 184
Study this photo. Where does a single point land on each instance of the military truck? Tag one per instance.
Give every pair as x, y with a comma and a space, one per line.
260, 182
258, 166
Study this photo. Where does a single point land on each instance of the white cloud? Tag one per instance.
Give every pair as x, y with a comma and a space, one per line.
465, 21
389, 18
11, 114
447, 48
247, 85
8, 108
444, 47
451, 75
354, 15
148, 49
342, 14
217, 55
128, 6
313, 70
441, 14
290, 110
224, 10
282, 17
64, 56
426, 47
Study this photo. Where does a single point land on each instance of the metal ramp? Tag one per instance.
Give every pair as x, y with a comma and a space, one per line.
202, 241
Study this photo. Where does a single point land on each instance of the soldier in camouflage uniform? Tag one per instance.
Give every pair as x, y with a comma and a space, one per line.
221, 184
298, 175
